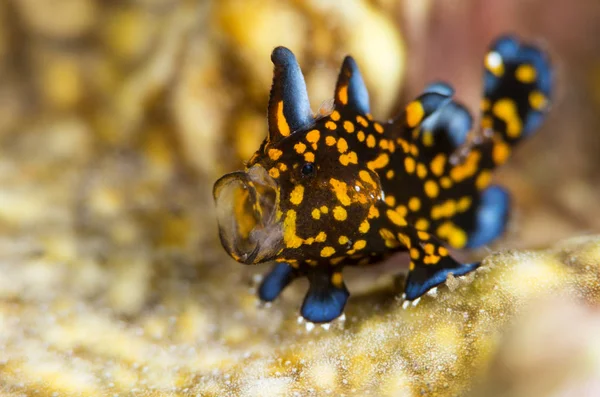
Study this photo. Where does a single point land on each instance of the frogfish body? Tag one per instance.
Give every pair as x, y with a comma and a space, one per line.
326, 192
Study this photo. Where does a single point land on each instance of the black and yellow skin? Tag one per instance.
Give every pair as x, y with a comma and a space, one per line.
351, 190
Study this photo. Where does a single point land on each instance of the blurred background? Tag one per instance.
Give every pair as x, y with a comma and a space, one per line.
116, 117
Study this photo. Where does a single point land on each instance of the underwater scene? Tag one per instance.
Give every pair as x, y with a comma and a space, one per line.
299, 198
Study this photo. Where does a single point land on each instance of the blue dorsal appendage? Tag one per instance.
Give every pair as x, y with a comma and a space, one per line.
288, 90
350, 90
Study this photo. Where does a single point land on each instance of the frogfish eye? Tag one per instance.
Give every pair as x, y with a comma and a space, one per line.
308, 169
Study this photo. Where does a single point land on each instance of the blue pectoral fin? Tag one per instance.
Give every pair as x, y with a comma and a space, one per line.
424, 277
324, 301
491, 217
275, 281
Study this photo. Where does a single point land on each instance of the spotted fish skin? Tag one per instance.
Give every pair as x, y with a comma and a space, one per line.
352, 191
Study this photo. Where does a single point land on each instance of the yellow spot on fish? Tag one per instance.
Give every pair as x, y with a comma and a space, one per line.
348, 126
414, 113
360, 136
405, 146
373, 212
526, 74
431, 259
421, 171
386, 234
409, 165
378, 127
326, 252
438, 163
500, 152
371, 141
290, 238
335, 115
487, 123
381, 161
300, 147
431, 189
446, 182
359, 244
343, 94
404, 239
342, 145
366, 177
329, 140
316, 214
422, 224
391, 146
341, 191
364, 226
396, 218
443, 251
297, 195
463, 204
455, 236
483, 180
362, 121
324, 209
343, 240
537, 100
423, 235
390, 200
429, 249
414, 150
282, 125
467, 168
274, 172
335, 261
321, 237
336, 279
350, 158
313, 136
330, 125
414, 204
427, 139
274, 154
506, 110
339, 213
402, 210
414, 253
389, 174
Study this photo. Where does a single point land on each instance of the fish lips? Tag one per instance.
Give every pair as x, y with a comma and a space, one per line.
247, 205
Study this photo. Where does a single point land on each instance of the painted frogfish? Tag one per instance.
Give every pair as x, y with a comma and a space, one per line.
328, 191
